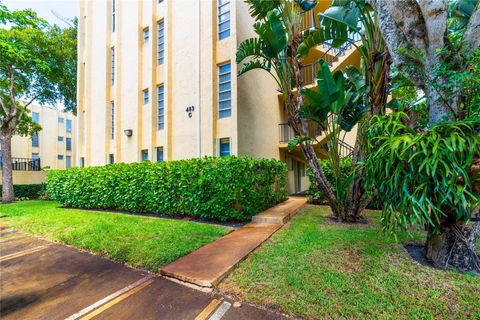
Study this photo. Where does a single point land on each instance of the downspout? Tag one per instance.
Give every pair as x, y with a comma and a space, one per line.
199, 154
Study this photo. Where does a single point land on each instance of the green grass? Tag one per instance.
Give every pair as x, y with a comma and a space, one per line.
318, 269
142, 242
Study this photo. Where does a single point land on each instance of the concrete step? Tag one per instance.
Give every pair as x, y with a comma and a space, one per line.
281, 213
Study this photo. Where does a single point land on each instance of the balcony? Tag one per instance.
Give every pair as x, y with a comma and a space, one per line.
330, 55
24, 164
286, 133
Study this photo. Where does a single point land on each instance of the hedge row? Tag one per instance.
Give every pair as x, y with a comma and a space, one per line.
29, 191
226, 188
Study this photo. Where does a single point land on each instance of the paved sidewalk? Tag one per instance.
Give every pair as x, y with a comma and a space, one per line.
43, 280
207, 266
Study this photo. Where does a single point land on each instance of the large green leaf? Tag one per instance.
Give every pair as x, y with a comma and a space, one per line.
341, 17
255, 64
259, 9
248, 48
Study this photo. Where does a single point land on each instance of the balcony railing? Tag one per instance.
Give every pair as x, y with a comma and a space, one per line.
330, 56
308, 20
287, 134
24, 164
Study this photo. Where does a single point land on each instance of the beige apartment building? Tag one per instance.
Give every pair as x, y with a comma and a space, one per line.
157, 81
54, 145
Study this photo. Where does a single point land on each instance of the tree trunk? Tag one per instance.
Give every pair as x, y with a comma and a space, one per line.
455, 247
8, 195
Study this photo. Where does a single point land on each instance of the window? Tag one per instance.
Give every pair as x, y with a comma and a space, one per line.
68, 162
159, 154
223, 19
35, 156
35, 117
145, 96
146, 35
224, 147
224, 91
35, 141
68, 144
82, 162
61, 120
160, 107
160, 1
69, 126
111, 158
60, 139
113, 15
161, 42
112, 120
144, 155
112, 67
60, 157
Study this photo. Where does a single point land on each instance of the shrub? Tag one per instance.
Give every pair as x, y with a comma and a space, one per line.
227, 188
314, 194
29, 191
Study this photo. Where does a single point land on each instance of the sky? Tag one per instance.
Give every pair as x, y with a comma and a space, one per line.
65, 8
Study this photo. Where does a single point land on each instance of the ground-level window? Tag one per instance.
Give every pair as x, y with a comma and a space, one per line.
144, 155
224, 147
111, 158
159, 154
68, 162
82, 162
35, 156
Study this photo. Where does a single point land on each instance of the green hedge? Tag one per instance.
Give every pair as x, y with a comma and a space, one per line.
227, 188
29, 191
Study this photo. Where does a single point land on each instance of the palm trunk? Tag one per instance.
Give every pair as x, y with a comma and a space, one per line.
8, 195
455, 247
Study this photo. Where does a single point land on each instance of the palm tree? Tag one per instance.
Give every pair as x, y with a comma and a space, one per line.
278, 48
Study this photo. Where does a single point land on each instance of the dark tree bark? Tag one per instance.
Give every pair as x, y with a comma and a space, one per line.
421, 26
455, 247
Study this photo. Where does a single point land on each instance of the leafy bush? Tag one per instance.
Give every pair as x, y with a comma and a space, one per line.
314, 194
424, 177
227, 188
29, 191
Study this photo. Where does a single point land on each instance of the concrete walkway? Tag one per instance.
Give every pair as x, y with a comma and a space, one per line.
44, 280
207, 266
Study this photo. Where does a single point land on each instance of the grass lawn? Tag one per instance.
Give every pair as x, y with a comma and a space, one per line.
318, 269
138, 241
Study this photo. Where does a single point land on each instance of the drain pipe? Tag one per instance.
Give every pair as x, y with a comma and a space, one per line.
199, 149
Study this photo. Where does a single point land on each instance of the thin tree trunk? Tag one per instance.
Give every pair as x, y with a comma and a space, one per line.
8, 195
455, 247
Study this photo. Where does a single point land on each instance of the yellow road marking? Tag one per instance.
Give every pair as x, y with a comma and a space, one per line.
208, 309
87, 313
22, 253
115, 301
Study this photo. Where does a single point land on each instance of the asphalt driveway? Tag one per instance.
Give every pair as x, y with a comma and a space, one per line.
43, 280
